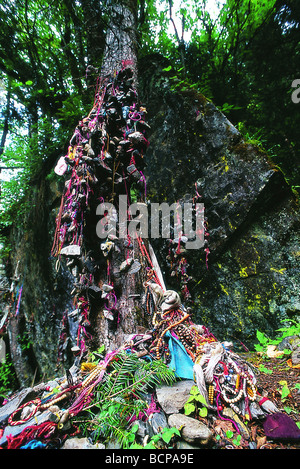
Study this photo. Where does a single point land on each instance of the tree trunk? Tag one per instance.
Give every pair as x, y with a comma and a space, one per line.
106, 163
121, 37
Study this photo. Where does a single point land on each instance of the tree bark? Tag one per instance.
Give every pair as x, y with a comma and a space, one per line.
119, 53
121, 37
120, 264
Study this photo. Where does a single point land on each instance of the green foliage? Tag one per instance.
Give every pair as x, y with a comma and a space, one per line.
161, 440
264, 369
238, 53
8, 380
44, 49
121, 396
284, 390
94, 355
293, 328
24, 341
192, 404
25, 156
226, 108
230, 435
72, 110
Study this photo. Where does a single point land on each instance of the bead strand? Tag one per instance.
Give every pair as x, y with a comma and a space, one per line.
227, 399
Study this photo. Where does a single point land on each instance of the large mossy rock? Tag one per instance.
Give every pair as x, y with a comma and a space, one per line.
35, 333
252, 278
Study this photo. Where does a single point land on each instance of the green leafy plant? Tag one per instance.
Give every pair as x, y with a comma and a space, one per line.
24, 341
230, 436
226, 107
291, 329
8, 379
237, 440
284, 390
192, 404
96, 354
121, 397
264, 369
161, 440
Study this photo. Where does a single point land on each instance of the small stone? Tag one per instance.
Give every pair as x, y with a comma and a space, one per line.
192, 431
113, 443
81, 443
75, 349
256, 411
106, 287
142, 430
289, 342
186, 446
135, 267
172, 398
2, 351
252, 445
295, 357
136, 137
156, 423
108, 314
73, 313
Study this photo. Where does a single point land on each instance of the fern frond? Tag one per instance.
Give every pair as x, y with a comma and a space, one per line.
121, 394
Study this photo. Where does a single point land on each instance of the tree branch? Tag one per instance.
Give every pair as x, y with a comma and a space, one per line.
181, 47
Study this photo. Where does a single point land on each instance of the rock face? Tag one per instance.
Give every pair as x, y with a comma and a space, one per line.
252, 215
34, 334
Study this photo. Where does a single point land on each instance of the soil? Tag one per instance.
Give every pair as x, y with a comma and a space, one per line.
272, 384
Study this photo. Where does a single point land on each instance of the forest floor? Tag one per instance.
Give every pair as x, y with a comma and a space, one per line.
280, 383
280, 375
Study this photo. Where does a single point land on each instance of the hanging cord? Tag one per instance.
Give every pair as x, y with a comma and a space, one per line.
36, 403
55, 246
145, 253
19, 301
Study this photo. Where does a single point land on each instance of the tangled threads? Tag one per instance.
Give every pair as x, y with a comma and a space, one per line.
44, 432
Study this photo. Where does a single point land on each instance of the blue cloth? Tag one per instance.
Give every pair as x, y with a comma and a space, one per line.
181, 362
34, 444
